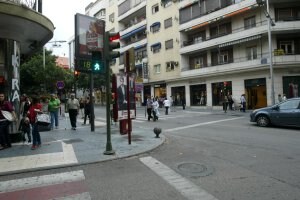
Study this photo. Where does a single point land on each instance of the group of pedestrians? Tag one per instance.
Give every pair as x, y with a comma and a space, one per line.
152, 107
228, 102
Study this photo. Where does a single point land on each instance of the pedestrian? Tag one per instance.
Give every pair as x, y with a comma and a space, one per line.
166, 103
35, 108
155, 106
87, 110
225, 104
26, 130
183, 103
4, 123
81, 106
25, 106
73, 109
149, 108
53, 109
284, 97
243, 103
279, 98
230, 101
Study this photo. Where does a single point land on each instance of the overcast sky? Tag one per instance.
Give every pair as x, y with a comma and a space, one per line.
61, 13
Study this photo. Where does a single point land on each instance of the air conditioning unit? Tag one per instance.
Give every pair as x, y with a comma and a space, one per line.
112, 19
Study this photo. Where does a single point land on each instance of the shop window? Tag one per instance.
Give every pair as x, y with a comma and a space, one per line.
198, 95
251, 53
219, 90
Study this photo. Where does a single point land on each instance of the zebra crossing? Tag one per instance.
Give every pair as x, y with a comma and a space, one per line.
60, 186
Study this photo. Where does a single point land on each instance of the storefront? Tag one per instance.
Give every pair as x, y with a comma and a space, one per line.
291, 86
219, 90
256, 93
177, 93
160, 90
198, 95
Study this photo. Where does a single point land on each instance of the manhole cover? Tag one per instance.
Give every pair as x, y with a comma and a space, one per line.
194, 169
71, 141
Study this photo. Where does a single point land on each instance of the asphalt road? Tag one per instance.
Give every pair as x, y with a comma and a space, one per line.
220, 156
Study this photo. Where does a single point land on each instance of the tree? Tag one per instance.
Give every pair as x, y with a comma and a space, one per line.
35, 79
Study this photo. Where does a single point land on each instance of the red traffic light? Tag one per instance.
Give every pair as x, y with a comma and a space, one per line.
114, 36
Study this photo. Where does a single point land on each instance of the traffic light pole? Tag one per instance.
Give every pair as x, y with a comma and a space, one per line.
92, 113
108, 150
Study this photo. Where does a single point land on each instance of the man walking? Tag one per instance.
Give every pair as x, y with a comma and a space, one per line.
53, 108
167, 105
73, 109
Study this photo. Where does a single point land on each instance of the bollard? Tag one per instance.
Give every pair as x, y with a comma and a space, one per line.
157, 131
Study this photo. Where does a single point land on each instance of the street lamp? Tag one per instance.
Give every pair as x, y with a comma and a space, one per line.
56, 44
270, 23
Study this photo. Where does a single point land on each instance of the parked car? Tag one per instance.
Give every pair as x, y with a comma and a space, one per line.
286, 113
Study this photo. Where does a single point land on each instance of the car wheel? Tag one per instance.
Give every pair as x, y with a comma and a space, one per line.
263, 121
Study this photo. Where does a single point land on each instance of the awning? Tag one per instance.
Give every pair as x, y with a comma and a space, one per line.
158, 44
142, 28
240, 41
155, 24
139, 47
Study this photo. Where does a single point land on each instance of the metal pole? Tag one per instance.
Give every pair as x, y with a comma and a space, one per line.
44, 65
270, 54
109, 150
92, 114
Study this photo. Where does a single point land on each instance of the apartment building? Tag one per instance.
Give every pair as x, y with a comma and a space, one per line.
202, 50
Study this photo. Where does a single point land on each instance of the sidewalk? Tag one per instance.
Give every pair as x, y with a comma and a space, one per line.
65, 147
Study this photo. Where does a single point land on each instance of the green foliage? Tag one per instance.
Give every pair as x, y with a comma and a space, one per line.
35, 79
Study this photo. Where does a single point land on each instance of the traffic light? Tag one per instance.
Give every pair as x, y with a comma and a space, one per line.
76, 74
110, 45
97, 62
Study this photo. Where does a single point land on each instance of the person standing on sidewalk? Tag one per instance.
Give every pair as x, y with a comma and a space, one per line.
35, 108
53, 109
167, 105
243, 103
87, 110
4, 123
73, 109
149, 107
225, 104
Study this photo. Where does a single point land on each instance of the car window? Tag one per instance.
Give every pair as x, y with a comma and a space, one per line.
294, 104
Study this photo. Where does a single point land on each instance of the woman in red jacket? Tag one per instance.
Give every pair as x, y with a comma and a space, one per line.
35, 108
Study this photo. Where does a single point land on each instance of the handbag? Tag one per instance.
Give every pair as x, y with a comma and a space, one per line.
7, 115
43, 119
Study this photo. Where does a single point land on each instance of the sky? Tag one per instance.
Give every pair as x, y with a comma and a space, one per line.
61, 13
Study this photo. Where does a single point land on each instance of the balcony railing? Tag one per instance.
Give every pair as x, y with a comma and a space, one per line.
263, 58
28, 3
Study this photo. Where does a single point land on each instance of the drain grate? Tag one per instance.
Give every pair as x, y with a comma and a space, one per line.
194, 169
71, 141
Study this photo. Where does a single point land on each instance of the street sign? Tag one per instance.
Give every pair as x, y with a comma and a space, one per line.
60, 85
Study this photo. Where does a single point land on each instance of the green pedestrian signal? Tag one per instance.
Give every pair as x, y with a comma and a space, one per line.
97, 63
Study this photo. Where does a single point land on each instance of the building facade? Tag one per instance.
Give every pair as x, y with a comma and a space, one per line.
23, 30
202, 50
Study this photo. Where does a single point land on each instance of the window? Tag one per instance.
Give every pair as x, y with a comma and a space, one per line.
220, 30
285, 14
287, 46
155, 28
289, 105
168, 22
169, 44
223, 58
155, 8
249, 22
112, 17
170, 66
251, 53
156, 47
198, 62
157, 69
100, 13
